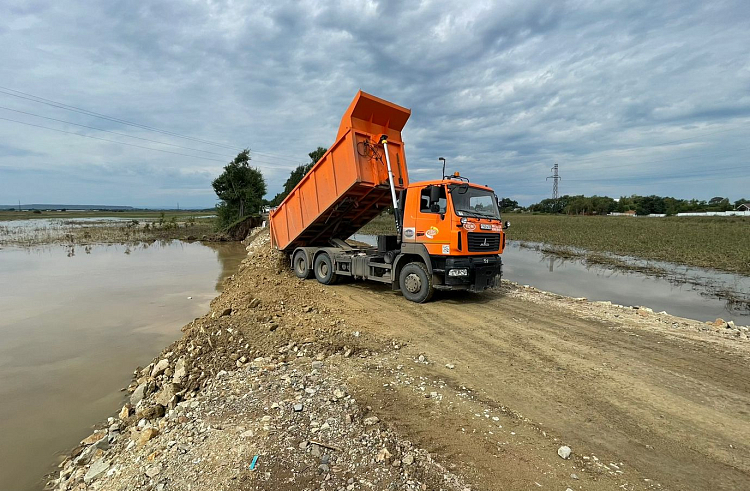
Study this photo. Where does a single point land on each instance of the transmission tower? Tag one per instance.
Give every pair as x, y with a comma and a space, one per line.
555, 178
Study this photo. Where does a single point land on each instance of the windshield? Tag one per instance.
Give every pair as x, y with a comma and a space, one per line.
469, 201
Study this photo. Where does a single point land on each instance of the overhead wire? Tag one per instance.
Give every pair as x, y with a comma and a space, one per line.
67, 107
134, 145
113, 132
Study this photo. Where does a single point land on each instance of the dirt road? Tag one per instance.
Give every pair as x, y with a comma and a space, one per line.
653, 392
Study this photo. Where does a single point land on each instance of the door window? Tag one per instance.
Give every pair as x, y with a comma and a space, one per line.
427, 206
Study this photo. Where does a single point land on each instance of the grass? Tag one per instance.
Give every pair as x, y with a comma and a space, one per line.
721, 243
381, 225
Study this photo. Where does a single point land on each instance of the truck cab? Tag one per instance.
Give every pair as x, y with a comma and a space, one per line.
455, 228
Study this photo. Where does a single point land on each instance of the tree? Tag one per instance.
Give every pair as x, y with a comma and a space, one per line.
240, 189
297, 174
507, 204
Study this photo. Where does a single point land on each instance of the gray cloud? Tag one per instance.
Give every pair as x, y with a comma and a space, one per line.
501, 89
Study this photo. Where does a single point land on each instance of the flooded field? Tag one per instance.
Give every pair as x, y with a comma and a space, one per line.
75, 323
694, 293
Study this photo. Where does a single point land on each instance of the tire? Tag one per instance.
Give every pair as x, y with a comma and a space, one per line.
324, 269
416, 283
300, 266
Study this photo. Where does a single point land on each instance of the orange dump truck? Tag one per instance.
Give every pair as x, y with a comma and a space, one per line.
449, 234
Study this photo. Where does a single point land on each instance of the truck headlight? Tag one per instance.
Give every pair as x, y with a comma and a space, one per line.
458, 272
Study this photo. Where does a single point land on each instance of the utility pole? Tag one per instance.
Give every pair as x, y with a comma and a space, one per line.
555, 177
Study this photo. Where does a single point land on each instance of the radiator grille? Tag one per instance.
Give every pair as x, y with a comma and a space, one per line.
479, 242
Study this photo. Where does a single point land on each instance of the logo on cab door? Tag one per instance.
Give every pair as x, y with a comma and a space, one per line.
409, 233
431, 232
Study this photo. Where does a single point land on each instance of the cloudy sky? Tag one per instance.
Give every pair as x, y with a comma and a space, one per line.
627, 97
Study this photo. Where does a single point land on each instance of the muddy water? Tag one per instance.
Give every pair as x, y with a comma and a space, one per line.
694, 293
74, 323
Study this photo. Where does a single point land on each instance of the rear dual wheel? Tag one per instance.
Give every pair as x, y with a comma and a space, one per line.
416, 283
301, 268
324, 271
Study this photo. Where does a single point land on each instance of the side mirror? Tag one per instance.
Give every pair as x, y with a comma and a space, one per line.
435, 207
434, 194
506, 226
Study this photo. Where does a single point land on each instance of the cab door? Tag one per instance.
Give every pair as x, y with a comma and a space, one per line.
432, 228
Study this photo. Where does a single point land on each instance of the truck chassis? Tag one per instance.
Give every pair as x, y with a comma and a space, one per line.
409, 269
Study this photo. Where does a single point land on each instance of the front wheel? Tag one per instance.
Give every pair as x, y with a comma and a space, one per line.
416, 283
324, 269
301, 268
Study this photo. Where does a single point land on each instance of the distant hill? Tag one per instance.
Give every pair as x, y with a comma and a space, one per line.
36, 206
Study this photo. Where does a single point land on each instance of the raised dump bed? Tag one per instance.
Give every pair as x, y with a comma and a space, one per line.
348, 186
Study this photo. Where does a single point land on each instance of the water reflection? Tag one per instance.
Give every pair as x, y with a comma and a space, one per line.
76, 321
684, 291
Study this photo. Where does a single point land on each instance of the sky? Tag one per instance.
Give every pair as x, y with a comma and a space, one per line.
627, 97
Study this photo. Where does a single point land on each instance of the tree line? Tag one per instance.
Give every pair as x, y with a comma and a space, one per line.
241, 188
641, 205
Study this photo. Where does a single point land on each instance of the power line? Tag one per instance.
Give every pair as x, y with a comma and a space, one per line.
60, 105
113, 132
697, 172
660, 144
133, 145
67, 107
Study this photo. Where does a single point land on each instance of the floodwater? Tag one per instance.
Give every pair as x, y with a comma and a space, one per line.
694, 293
75, 323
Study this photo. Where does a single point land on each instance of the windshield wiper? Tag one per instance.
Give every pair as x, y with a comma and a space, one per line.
472, 213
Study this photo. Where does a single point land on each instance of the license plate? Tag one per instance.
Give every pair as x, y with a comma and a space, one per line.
485, 226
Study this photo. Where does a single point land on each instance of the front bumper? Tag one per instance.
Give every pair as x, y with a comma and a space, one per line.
484, 272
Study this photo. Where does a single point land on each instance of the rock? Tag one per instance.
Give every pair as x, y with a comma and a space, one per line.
166, 394
85, 456
303, 445
94, 437
574, 476
298, 407
125, 411
153, 471
372, 420
317, 365
408, 459
720, 322
152, 412
253, 303
226, 312
97, 470
146, 435
383, 455
450, 366
247, 434
160, 367
564, 452
339, 394
421, 359
143, 390
179, 371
